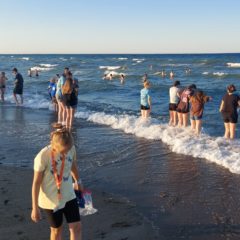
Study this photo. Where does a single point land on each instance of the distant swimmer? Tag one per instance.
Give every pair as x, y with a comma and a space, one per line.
30, 72
146, 104
230, 103
183, 105
18, 88
145, 77
110, 76
197, 101
171, 74
174, 99
36, 73
187, 71
3, 80
105, 77
163, 73
122, 78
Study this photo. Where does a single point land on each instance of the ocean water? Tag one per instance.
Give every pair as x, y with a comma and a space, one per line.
116, 104
186, 186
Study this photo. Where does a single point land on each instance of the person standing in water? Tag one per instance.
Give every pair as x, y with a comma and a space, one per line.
183, 105
55, 168
146, 103
30, 72
18, 88
3, 80
171, 74
230, 103
174, 99
196, 112
59, 97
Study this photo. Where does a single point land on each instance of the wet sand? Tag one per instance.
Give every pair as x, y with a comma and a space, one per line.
133, 179
116, 218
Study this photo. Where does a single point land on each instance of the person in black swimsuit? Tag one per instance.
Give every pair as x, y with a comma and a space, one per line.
230, 103
18, 88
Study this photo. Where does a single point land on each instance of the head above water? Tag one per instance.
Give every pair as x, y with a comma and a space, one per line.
66, 70
192, 87
14, 71
3, 74
176, 83
231, 88
61, 140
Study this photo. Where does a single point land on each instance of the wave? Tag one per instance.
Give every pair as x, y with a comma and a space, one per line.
25, 58
219, 74
47, 65
122, 59
63, 59
233, 65
138, 59
205, 73
41, 69
180, 140
114, 74
110, 67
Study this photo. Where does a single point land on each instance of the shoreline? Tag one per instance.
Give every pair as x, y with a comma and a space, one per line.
116, 218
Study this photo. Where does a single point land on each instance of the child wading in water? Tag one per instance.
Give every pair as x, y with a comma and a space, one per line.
52, 189
145, 100
196, 112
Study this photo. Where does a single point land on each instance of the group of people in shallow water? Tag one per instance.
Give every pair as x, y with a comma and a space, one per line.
192, 100
18, 86
63, 91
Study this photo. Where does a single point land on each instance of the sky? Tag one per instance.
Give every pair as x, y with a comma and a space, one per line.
119, 26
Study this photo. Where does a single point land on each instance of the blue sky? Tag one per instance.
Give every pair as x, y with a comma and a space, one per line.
119, 26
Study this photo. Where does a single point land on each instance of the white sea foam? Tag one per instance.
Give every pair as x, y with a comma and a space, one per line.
182, 141
41, 69
138, 59
233, 65
219, 74
63, 59
110, 68
114, 74
25, 58
47, 65
205, 73
122, 58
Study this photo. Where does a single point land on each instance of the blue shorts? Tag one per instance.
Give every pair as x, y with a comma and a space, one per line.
196, 117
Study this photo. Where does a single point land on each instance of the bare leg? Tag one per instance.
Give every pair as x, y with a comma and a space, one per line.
60, 109
174, 118
72, 112
227, 130
75, 231
198, 126
193, 125
185, 119
180, 119
56, 233
15, 98
232, 130
170, 118
21, 97
68, 111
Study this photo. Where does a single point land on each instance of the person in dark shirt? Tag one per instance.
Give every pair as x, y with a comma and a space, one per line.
18, 88
230, 103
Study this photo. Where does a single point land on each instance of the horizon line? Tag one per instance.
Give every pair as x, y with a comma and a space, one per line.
193, 53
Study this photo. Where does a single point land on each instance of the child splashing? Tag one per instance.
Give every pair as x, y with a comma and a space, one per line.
52, 189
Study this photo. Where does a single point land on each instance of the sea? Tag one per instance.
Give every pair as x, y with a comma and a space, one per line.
166, 172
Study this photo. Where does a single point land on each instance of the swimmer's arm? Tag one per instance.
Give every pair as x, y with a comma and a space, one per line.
37, 180
221, 107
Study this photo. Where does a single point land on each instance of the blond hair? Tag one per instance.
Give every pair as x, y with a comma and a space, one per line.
61, 139
67, 88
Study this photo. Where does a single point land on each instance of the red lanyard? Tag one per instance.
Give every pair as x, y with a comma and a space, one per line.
58, 178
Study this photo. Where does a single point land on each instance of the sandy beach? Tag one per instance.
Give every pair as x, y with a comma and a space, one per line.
116, 218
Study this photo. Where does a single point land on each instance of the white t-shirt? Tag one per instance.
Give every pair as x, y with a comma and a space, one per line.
48, 198
173, 91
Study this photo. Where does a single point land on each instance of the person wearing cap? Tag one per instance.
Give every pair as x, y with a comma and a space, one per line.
230, 103
174, 99
18, 88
